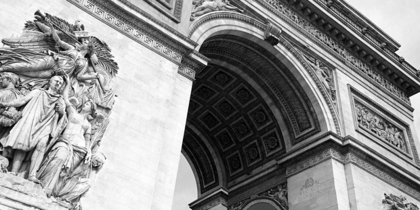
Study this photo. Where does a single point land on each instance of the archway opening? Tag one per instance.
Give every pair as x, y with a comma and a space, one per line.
247, 108
186, 186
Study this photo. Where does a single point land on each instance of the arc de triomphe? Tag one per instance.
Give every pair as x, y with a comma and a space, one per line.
281, 104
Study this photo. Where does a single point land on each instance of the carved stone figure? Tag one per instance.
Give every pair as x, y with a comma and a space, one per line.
380, 127
324, 74
42, 117
4, 163
205, 6
8, 92
393, 202
8, 115
64, 171
44, 65
57, 143
78, 26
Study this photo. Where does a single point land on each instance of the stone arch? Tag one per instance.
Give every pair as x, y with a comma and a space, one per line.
272, 203
247, 34
215, 23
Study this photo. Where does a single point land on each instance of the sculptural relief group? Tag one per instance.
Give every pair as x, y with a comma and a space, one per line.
382, 128
55, 99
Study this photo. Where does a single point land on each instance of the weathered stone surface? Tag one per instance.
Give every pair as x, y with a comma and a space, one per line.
19, 193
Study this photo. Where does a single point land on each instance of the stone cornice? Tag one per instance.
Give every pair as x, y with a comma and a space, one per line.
301, 15
218, 197
332, 46
150, 17
367, 31
143, 32
354, 18
192, 64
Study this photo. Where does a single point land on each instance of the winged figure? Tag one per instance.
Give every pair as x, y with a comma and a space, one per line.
51, 46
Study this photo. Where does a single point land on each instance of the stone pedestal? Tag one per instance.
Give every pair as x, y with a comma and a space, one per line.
19, 193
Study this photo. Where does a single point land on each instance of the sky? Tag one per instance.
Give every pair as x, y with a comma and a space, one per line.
398, 18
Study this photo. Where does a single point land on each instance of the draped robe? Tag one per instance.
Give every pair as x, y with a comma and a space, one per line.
39, 120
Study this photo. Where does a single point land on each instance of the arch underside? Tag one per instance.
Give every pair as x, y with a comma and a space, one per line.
246, 109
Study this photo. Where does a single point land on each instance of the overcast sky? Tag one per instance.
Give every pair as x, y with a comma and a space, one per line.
397, 18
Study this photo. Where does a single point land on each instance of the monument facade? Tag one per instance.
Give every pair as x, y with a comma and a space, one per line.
278, 104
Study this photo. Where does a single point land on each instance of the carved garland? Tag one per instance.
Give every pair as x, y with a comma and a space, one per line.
307, 28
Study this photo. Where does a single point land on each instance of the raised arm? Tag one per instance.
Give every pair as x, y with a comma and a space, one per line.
19, 101
69, 107
58, 40
88, 136
82, 76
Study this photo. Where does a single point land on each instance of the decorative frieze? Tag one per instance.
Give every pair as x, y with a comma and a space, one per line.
135, 31
202, 7
171, 9
306, 27
338, 11
380, 127
309, 162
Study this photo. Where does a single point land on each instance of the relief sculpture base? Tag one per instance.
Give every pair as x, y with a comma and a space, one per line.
19, 193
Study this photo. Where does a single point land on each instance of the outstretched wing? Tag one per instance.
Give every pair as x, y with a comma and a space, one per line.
104, 55
17, 55
36, 34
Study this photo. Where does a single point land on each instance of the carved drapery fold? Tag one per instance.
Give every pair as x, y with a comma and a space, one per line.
61, 79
